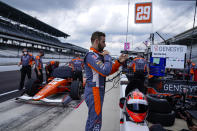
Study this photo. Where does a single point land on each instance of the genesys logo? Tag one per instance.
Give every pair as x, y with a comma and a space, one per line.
156, 48
143, 12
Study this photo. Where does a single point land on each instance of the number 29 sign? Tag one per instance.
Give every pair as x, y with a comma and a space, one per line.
143, 12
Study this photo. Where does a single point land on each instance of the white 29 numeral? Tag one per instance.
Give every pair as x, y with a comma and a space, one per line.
143, 13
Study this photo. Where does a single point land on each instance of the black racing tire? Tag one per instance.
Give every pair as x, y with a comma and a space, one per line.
165, 119
32, 87
158, 105
75, 90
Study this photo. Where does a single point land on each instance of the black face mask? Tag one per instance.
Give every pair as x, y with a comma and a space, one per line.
100, 48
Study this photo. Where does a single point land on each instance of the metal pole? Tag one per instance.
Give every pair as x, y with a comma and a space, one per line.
193, 32
153, 38
162, 38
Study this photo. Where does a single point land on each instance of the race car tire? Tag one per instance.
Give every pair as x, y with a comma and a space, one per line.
158, 105
165, 119
32, 87
75, 91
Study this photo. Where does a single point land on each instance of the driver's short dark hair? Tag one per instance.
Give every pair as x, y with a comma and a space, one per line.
25, 49
96, 35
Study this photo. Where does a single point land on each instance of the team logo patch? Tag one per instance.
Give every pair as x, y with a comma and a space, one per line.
99, 62
94, 56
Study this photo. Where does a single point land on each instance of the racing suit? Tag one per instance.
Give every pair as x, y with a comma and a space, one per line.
97, 67
77, 66
49, 67
39, 64
190, 67
139, 66
129, 70
26, 62
193, 66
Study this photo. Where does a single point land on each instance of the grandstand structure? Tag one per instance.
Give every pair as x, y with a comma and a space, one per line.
19, 30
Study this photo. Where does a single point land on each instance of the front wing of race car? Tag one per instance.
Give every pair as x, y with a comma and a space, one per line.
50, 101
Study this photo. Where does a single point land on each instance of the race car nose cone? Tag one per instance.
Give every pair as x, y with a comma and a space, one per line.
36, 97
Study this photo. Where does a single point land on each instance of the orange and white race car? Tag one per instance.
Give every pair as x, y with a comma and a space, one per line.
61, 83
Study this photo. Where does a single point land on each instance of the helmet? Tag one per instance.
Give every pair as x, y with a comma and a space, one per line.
136, 106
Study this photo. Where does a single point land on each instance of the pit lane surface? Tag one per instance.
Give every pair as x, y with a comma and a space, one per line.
9, 83
17, 116
20, 116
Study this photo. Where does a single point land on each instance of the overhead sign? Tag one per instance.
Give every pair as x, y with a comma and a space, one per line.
143, 12
175, 63
166, 51
126, 46
174, 54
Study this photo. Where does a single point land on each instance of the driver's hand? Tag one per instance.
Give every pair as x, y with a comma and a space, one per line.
123, 57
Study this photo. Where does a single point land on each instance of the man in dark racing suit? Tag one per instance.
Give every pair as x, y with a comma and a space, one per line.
77, 67
140, 68
49, 67
27, 61
62, 72
98, 65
